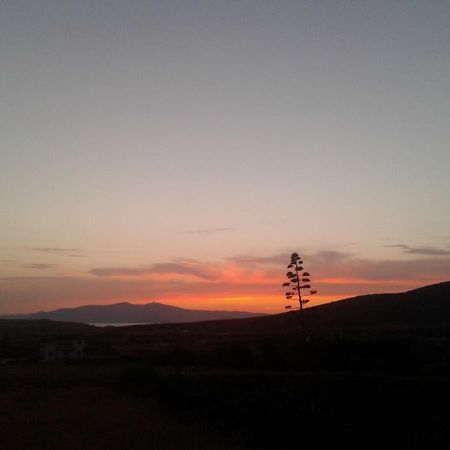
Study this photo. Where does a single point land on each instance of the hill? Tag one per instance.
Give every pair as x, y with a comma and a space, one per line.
36, 329
426, 307
131, 313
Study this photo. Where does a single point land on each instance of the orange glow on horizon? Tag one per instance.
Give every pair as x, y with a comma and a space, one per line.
359, 281
270, 304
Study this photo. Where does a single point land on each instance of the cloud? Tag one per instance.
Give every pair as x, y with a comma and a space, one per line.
329, 268
209, 230
181, 267
40, 266
321, 257
343, 265
333, 274
425, 251
328, 257
73, 252
55, 249
275, 259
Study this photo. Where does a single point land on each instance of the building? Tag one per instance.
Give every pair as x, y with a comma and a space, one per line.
63, 351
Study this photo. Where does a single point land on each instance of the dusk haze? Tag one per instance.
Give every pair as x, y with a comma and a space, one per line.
224, 224
179, 151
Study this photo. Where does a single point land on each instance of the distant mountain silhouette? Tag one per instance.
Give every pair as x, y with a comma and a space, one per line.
426, 307
132, 313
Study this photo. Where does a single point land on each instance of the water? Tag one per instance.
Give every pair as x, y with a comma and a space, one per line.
117, 324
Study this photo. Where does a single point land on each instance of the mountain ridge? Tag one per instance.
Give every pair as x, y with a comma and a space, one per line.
427, 306
424, 307
126, 312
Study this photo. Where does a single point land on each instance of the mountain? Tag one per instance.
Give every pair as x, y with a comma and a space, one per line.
131, 313
426, 307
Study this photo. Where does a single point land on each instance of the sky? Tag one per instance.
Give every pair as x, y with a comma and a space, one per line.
180, 151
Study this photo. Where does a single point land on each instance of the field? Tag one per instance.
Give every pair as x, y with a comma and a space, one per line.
370, 375
239, 394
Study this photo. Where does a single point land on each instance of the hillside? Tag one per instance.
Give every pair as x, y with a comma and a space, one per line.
132, 313
426, 307
35, 329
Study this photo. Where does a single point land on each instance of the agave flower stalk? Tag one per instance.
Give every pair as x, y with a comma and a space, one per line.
298, 281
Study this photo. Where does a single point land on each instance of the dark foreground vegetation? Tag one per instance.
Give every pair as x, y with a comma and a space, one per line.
260, 395
247, 384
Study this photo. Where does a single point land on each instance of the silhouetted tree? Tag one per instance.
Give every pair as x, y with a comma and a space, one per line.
297, 282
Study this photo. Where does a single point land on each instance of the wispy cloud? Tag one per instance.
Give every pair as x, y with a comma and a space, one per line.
180, 267
329, 257
422, 250
334, 274
208, 230
324, 264
274, 259
72, 252
55, 250
40, 266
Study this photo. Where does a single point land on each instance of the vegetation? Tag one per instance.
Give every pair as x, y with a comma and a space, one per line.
238, 384
298, 281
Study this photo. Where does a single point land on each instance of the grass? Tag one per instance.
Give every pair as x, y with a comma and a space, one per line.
267, 394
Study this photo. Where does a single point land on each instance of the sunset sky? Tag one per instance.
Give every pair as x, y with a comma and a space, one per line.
179, 151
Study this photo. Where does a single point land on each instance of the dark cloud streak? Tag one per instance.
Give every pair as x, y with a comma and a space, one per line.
425, 251
55, 250
72, 252
180, 268
40, 266
333, 274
